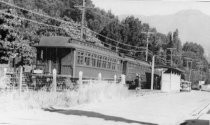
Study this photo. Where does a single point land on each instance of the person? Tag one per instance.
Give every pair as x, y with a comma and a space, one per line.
137, 81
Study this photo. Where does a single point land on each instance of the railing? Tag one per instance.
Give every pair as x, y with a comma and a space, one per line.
50, 82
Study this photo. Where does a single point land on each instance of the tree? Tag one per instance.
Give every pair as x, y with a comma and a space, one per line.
15, 41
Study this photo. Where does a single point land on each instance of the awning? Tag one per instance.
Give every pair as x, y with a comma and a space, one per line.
169, 68
54, 41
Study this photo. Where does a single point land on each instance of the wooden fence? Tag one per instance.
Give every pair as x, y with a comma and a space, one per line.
20, 80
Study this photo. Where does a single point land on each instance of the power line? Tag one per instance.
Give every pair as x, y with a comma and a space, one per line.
59, 20
43, 15
57, 27
115, 40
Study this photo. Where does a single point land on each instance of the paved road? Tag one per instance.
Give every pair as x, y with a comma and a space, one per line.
160, 108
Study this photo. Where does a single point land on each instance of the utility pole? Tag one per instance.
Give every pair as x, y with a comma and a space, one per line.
171, 49
83, 8
147, 46
152, 74
190, 68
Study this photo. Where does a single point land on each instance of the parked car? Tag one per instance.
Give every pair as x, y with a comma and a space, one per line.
196, 86
205, 87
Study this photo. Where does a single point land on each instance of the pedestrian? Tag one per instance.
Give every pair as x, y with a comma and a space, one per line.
137, 82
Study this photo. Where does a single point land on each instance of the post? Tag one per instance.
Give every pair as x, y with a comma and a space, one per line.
171, 49
80, 77
99, 77
122, 79
115, 78
83, 19
147, 47
190, 71
20, 80
171, 58
152, 73
54, 80
139, 84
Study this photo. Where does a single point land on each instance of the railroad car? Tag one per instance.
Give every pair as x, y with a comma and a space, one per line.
69, 56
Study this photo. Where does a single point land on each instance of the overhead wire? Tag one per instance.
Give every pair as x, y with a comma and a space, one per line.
59, 20
15, 16
57, 27
40, 14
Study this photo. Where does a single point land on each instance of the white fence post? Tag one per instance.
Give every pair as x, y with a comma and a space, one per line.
123, 79
80, 77
20, 79
115, 79
99, 77
54, 80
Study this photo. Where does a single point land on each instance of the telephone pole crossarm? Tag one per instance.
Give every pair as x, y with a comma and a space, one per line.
171, 49
83, 8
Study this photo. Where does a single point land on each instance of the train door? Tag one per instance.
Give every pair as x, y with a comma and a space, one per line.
52, 60
124, 69
66, 62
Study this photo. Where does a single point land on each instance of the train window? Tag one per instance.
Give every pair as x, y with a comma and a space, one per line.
104, 62
113, 66
94, 57
80, 56
87, 59
40, 54
99, 61
109, 64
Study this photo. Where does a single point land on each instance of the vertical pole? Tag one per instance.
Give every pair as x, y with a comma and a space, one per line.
161, 85
54, 80
123, 79
99, 77
20, 80
190, 70
139, 84
171, 57
152, 74
115, 79
147, 47
83, 19
80, 78
50, 66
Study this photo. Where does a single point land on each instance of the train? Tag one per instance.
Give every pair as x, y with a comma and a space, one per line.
70, 56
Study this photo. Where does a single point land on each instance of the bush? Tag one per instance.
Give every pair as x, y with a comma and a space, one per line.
86, 93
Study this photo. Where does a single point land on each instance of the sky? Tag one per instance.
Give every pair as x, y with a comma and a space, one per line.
152, 7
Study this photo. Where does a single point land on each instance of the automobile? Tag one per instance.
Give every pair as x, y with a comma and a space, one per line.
195, 86
205, 87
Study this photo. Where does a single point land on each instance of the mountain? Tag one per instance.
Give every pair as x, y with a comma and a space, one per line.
193, 25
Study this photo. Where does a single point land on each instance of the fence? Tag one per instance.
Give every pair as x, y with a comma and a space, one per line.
50, 82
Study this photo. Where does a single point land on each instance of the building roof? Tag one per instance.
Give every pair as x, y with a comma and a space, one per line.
169, 68
68, 42
54, 41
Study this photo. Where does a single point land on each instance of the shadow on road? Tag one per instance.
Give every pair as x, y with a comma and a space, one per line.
96, 115
208, 112
196, 122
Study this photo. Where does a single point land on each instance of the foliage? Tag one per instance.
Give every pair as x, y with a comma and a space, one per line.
18, 35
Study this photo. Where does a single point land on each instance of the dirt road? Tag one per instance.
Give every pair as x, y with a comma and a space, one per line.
160, 108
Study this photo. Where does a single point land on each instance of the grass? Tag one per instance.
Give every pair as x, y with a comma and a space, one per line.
87, 93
